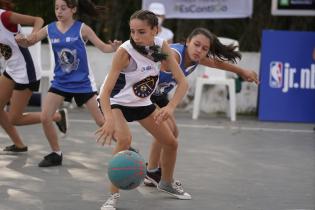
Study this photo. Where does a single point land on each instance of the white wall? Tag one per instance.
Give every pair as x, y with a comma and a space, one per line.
214, 97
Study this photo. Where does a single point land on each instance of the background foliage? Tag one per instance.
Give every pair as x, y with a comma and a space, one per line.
114, 22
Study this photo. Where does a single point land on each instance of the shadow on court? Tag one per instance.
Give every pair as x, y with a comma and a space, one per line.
246, 165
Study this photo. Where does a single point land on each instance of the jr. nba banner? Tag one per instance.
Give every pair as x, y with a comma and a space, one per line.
287, 74
203, 9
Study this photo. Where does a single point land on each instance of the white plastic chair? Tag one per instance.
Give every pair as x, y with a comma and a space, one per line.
213, 76
46, 75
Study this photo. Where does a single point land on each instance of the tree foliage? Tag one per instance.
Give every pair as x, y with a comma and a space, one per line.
113, 24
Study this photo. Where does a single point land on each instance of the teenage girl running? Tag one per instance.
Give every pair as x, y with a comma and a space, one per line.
73, 76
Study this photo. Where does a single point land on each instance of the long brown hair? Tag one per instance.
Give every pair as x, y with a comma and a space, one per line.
217, 49
6, 4
85, 7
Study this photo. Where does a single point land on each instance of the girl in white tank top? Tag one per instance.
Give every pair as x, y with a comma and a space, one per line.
125, 96
19, 77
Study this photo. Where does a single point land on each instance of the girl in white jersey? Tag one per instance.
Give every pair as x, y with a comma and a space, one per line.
19, 76
125, 96
73, 77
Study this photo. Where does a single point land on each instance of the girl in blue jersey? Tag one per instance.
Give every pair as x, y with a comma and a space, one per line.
201, 47
73, 77
19, 78
125, 97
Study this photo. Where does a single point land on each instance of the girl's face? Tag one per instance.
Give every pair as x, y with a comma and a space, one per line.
62, 11
142, 33
198, 47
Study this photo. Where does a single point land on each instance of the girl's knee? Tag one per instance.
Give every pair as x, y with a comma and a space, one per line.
171, 144
45, 118
14, 119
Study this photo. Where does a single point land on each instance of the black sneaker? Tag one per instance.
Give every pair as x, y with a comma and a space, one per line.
53, 159
14, 148
63, 123
153, 178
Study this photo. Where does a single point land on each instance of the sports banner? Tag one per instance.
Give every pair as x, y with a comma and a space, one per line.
205, 9
287, 74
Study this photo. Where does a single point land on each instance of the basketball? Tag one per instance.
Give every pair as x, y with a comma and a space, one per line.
126, 170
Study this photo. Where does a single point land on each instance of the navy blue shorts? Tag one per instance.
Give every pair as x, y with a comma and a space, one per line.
160, 100
135, 113
79, 98
33, 86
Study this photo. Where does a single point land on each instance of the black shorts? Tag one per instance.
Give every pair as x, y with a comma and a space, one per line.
135, 113
33, 86
160, 100
79, 98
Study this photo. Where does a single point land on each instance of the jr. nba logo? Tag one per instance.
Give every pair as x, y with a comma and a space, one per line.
276, 74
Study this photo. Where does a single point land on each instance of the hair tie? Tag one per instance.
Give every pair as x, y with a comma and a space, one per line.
152, 52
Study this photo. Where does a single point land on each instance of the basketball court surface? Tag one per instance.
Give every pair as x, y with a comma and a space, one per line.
245, 165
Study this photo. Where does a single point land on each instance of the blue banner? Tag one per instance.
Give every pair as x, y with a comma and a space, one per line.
287, 74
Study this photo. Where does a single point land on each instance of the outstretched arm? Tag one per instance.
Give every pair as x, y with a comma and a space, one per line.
247, 75
106, 132
36, 22
89, 34
32, 38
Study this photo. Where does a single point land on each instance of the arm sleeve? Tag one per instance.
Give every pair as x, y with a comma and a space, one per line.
5, 18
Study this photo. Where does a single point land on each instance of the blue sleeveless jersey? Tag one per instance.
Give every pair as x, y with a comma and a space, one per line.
167, 81
72, 72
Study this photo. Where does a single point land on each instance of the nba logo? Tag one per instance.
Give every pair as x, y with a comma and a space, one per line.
275, 76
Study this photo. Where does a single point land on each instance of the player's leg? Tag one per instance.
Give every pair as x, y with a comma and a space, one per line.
94, 110
6, 90
154, 171
20, 100
163, 133
18, 116
51, 104
123, 140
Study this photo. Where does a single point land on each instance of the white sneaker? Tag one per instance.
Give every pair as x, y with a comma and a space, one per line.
174, 189
111, 202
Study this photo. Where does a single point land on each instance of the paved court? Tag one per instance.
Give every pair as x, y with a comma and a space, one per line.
246, 165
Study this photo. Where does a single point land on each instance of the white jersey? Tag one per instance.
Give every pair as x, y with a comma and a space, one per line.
16, 61
138, 81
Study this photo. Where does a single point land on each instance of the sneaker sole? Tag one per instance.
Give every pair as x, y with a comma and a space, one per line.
180, 197
148, 183
108, 208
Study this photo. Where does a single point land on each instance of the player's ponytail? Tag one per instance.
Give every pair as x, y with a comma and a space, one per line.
85, 7
6, 4
152, 52
217, 49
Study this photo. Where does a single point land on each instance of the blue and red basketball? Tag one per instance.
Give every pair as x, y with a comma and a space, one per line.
126, 170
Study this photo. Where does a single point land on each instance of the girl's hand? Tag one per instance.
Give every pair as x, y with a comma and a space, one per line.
105, 133
163, 114
250, 76
31, 38
21, 40
115, 44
